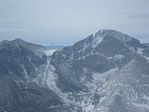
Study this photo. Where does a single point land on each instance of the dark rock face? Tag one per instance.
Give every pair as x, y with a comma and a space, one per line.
98, 53
105, 72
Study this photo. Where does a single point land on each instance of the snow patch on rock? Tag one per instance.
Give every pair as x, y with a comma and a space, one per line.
140, 51
49, 52
98, 38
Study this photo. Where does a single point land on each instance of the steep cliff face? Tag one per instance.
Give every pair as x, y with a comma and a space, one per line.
106, 50
105, 72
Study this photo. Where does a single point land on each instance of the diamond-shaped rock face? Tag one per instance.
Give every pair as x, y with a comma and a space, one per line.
97, 53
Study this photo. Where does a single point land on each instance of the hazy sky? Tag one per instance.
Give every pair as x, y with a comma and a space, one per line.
67, 21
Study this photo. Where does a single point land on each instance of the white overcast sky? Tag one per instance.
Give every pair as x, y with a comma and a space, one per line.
67, 21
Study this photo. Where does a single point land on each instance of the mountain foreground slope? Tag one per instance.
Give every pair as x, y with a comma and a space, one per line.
105, 72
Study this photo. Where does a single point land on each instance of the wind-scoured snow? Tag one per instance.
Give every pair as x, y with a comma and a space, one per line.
49, 52
98, 38
140, 51
102, 77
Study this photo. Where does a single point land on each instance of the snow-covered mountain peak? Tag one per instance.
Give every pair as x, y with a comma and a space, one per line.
14, 42
120, 36
21, 45
105, 38
18, 40
113, 38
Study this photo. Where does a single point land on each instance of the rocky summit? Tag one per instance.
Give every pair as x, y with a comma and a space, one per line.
105, 72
